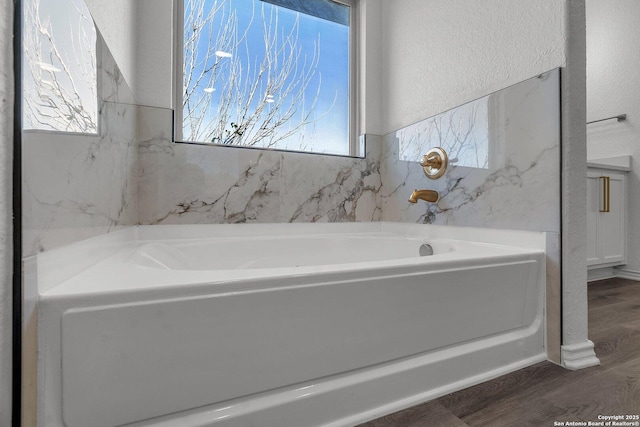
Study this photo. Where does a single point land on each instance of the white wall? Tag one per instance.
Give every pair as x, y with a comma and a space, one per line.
370, 72
6, 155
613, 87
574, 189
154, 49
441, 53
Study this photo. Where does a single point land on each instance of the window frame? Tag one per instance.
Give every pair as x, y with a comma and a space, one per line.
354, 146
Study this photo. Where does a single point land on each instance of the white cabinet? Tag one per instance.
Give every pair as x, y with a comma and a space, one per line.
606, 218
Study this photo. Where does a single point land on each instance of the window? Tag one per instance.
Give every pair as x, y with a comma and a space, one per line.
269, 74
59, 63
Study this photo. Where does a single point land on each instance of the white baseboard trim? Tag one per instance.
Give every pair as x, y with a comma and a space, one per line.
628, 274
612, 272
579, 356
601, 274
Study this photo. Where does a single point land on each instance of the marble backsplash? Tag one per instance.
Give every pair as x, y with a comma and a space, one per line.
192, 184
506, 172
77, 186
505, 153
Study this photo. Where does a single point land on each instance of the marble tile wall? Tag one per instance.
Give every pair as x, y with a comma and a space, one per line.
190, 183
77, 186
505, 171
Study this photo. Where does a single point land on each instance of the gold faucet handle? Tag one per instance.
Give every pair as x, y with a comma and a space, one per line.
435, 163
431, 160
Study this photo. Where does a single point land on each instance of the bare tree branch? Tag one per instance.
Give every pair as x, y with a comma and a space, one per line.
231, 96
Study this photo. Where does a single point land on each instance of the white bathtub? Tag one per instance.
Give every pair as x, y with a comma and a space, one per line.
280, 325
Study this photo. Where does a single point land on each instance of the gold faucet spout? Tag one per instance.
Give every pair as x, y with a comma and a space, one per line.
426, 195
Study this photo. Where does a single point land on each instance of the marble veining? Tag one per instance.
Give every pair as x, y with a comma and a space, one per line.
350, 196
77, 186
505, 172
506, 162
188, 183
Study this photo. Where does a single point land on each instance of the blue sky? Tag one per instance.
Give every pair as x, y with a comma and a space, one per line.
331, 126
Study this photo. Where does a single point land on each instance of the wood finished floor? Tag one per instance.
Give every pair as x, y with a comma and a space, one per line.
544, 393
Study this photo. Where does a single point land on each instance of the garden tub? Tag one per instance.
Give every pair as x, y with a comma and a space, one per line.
280, 324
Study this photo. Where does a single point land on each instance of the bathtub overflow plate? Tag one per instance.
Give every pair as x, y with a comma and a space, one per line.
426, 249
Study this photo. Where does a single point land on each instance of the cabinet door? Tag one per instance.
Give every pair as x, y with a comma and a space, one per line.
594, 204
612, 224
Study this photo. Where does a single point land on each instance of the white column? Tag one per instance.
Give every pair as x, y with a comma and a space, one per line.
577, 350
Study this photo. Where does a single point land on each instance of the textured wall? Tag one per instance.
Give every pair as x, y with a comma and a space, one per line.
613, 87
6, 255
153, 60
442, 53
574, 171
370, 96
